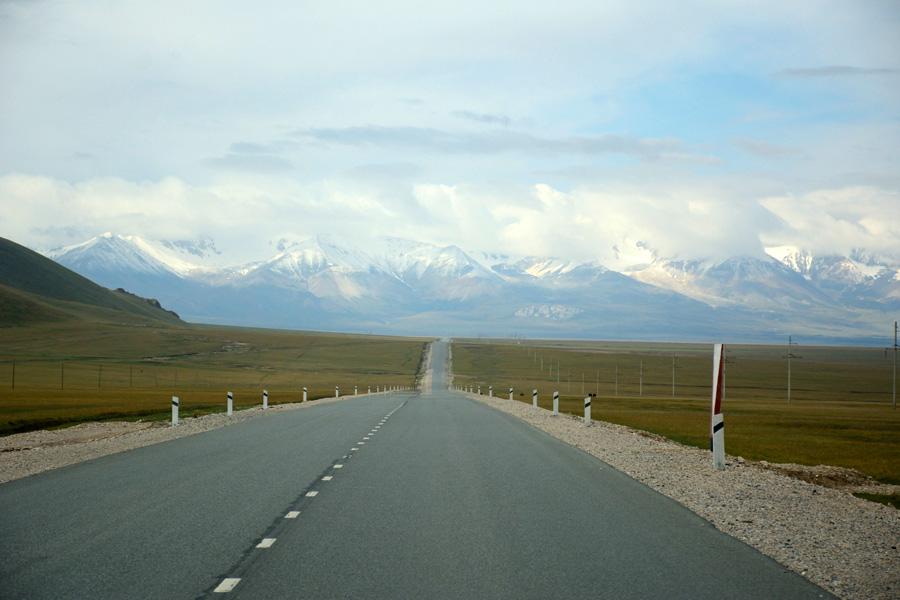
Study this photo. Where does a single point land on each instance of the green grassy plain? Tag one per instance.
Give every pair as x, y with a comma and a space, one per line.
840, 411
63, 373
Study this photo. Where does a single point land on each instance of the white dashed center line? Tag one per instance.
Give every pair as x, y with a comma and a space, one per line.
266, 543
227, 584
354, 449
338, 466
292, 515
312, 494
326, 478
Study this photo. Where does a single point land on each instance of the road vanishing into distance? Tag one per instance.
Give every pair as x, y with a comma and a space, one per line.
428, 495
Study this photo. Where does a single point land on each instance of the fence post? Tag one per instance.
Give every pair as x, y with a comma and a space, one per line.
717, 422
230, 403
587, 411
265, 399
555, 404
534, 398
174, 411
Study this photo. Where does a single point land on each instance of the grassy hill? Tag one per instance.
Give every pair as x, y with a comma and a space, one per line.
35, 289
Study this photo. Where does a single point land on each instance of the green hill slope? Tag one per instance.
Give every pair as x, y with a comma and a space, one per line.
35, 289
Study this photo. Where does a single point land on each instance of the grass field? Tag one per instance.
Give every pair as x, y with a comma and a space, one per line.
65, 373
840, 411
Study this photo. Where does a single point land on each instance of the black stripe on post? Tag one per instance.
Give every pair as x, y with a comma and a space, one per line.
719, 427
587, 403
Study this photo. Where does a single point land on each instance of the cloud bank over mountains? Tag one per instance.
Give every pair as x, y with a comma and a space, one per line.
585, 224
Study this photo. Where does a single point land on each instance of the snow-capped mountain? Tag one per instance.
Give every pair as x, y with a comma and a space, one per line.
761, 283
113, 253
403, 286
860, 279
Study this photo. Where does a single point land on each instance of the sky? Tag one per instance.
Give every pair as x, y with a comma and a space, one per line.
696, 128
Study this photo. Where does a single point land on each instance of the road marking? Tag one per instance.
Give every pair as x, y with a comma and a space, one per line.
266, 543
354, 449
292, 515
227, 584
339, 466
360, 443
366, 438
326, 478
311, 494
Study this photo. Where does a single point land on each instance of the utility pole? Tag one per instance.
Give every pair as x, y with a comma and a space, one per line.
789, 356
673, 375
894, 388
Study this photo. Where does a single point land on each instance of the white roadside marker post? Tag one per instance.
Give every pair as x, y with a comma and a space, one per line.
717, 422
555, 404
369, 388
337, 392
587, 411
174, 411
304, 394
355, 390
230, 403
534, 398
491, 392
265, 399
510, 393
479, 390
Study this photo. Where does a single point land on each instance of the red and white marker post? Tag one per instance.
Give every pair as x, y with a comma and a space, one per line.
717, 422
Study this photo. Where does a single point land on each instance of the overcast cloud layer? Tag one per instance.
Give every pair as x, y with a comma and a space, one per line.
557, 128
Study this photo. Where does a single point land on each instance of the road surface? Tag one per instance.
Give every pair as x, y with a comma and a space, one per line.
390, 496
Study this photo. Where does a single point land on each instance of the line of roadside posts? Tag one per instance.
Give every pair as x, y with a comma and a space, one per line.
717, 424
265, 399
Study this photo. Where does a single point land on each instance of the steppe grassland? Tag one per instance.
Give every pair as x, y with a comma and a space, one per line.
73, 372
840, 411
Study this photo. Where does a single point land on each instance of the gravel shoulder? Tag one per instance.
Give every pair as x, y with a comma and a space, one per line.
844, 544
26, 454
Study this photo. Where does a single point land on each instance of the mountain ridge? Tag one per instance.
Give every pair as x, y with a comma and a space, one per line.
396, 285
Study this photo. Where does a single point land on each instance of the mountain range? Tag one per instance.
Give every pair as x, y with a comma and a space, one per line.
399, 286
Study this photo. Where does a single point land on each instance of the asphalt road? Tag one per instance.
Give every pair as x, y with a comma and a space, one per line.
397, 496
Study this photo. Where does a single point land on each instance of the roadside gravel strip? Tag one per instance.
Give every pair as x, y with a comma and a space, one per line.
25, 454
844, 544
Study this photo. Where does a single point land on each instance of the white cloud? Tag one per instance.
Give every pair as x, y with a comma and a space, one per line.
244, 215
838, 221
